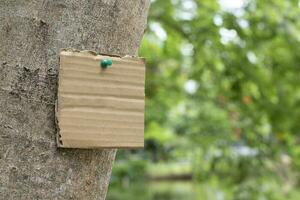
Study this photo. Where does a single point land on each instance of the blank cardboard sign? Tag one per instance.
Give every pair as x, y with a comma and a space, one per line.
100, 106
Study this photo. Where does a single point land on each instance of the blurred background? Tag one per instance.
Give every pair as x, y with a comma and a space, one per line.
222, 103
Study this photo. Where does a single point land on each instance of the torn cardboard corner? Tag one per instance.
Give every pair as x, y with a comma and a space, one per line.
97, 106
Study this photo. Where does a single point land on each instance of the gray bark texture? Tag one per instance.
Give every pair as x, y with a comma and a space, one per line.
32, 32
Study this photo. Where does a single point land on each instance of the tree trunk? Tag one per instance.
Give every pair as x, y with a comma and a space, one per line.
32, 33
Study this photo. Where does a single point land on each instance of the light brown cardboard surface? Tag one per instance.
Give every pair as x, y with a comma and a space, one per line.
100, 108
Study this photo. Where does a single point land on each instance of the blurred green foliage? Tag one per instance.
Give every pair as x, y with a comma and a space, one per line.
223, 94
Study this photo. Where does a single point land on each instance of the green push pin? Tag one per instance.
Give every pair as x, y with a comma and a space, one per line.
105, 63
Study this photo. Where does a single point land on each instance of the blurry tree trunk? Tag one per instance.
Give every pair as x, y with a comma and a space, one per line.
32, 32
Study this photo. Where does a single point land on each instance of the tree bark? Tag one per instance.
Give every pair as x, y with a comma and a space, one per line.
32, 32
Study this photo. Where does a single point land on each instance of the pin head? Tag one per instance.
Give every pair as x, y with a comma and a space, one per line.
105, 63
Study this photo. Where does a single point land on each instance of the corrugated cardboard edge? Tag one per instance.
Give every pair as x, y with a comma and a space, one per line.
93, 53
58, 136
59, 142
